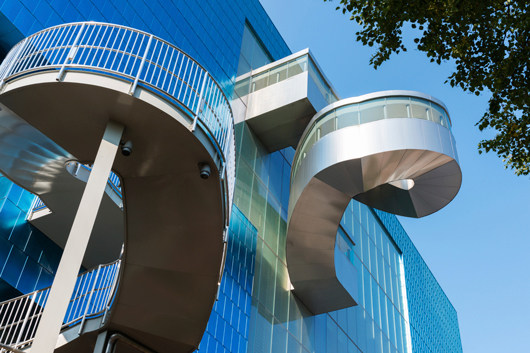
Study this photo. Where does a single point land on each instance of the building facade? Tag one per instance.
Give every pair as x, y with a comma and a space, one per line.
400, 306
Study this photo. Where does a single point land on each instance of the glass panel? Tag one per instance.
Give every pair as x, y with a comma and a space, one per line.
283, 286
267, 279
347, 116
397, 108
241, 87
328, 124
278, 74
421, 109
247, 45
297, 66
263, 335
279, 338
293, 346
309, 143
372, 111
321, 84
437, 114
375, 301
259, 57
260, 81
272, 222
243, 67
345, 245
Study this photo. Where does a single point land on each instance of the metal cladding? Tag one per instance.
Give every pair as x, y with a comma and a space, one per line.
60, 87
394, 162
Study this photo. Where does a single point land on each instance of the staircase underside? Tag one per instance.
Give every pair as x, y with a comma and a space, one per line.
173, 220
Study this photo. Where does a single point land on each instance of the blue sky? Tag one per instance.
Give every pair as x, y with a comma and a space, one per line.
478, 246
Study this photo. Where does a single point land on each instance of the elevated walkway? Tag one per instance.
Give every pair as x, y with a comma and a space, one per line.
60, 88
281, 98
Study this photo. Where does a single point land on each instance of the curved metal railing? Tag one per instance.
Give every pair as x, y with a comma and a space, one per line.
139, 58
92, 297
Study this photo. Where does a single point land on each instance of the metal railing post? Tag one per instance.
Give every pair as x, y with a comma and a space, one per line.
71, 53
198, 110
12, 63
25, 321
88, 301
135, 83
112, 289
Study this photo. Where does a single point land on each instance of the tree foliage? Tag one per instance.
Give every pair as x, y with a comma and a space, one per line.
489, 43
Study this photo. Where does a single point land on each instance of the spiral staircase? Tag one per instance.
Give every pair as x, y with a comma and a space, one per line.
61, 89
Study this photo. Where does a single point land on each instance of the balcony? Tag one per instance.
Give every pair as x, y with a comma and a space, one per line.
282, 97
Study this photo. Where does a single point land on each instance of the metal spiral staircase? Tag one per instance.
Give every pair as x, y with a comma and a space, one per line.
391, 150
64, 88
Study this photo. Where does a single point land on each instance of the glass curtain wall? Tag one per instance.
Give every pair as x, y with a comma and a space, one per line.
279, 322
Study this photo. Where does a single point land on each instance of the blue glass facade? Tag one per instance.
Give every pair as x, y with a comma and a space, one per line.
28, 258
401, 306
433, 319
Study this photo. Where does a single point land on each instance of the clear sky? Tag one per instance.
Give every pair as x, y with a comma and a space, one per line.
478, 246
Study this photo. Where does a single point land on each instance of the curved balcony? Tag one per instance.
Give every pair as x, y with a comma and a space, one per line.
59, 89
391, 150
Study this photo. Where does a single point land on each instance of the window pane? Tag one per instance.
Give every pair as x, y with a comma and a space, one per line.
278, 74
260, 81
242, 87
421, 109
347, 116
437, 114
372, 111
397, 108
297, 66
327, 125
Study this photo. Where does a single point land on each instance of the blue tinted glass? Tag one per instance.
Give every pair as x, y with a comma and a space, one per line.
45, 280
8, 218
5, 249
13, 266
21, 232
5, 186
275, 178
29, 277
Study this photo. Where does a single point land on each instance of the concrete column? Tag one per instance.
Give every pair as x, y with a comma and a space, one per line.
74, 251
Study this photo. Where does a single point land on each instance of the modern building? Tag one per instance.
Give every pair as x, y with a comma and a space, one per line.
256, 212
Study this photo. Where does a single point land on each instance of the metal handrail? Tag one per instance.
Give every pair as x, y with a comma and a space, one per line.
92, 296
139, 58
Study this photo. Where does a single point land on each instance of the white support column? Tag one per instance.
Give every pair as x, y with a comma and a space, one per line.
74, 251
101, 343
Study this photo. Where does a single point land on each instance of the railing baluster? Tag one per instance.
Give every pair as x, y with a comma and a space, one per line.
24, 322
183, 75
88, 301
199, 105
20, 48
133, 87
71, 54
178, 74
